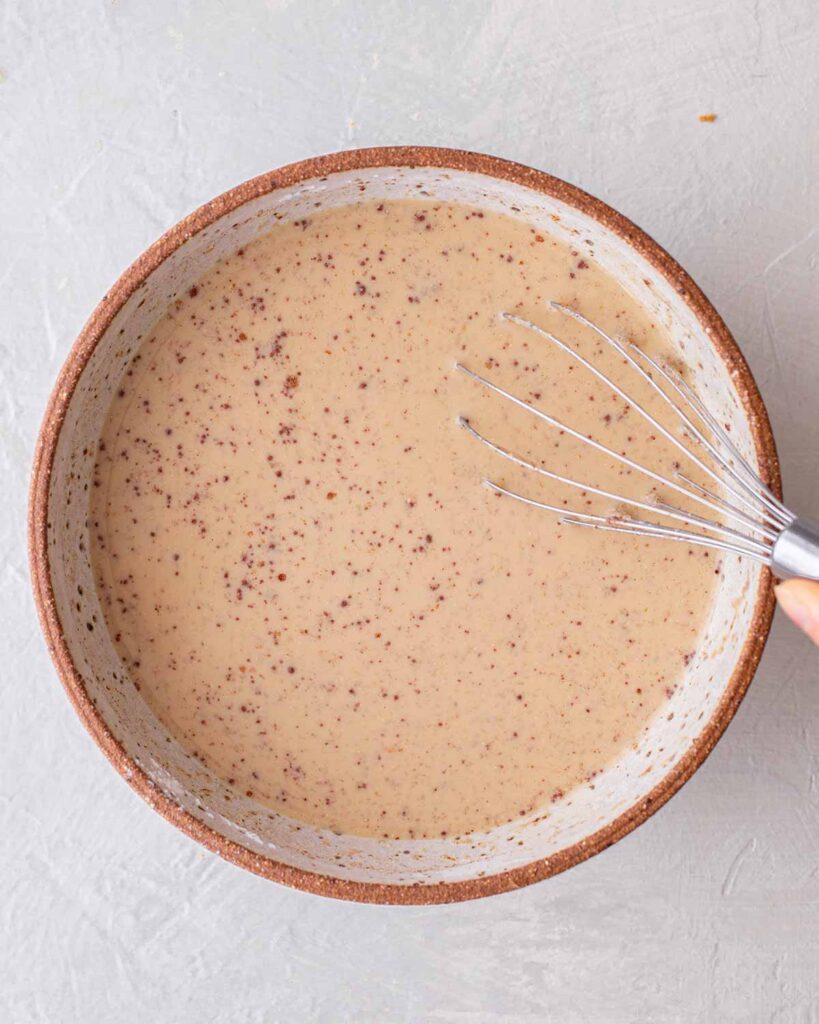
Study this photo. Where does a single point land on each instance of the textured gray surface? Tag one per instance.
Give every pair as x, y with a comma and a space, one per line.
118, 117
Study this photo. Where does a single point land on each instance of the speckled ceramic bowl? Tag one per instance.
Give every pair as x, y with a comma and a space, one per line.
177, 785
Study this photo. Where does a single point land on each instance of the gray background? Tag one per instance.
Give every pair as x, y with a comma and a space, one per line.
119, 116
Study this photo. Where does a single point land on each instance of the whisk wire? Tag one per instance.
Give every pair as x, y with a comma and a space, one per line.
669, 510
750, 495
774, 537
768, 531
767, 496
655, 531
591, 442
626, 525
764, 505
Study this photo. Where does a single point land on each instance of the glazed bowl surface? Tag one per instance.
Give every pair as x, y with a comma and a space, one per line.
179, 786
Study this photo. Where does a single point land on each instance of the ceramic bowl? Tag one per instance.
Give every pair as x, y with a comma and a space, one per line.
180, 787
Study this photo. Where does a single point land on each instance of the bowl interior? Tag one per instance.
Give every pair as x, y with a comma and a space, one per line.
273, 838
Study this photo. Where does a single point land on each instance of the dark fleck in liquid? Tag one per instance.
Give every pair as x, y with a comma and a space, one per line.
298, 564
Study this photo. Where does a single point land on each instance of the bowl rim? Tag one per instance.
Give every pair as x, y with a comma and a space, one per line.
100, 319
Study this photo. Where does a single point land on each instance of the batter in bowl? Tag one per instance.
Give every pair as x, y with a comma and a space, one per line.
300, 569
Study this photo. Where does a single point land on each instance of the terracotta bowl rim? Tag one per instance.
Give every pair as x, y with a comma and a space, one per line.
100, 319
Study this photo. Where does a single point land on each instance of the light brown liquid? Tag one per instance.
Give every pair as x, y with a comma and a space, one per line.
298, 562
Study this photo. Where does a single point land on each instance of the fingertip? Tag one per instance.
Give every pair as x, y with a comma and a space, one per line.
799, 599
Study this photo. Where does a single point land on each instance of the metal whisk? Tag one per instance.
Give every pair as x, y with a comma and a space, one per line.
763, 528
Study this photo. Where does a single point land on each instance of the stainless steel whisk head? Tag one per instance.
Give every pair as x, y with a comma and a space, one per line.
762, 527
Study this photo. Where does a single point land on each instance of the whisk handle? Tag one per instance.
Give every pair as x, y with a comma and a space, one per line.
796, 551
